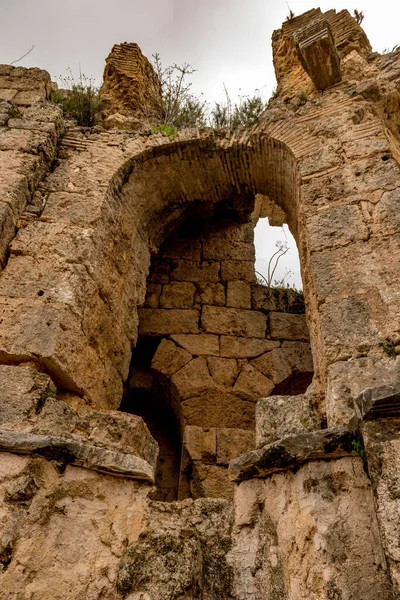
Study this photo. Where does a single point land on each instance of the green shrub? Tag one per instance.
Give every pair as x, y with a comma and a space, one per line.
79, 99
165, 128
14, 113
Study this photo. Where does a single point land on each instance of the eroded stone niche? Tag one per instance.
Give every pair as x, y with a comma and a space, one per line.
212, 342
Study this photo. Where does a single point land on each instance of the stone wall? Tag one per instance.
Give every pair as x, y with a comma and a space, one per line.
83, 215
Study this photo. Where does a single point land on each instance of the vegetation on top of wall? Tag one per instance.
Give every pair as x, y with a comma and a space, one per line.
79, 99
181, 108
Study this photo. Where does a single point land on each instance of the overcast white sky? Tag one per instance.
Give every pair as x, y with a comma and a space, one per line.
227, 41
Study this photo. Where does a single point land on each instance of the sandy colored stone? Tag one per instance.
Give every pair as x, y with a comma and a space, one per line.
160, 322
198, 344
200, 443
274, 365
169, 358
177, 295
218, 408
232, 443
219, 249
234, 270
238, 294
233, 321
233, 347
22, 393
210, 293
299, 356
211, 481
288, 327
153, 292
198, 272
193, 379
281, 416
224, 371
181, 248
336, 226
252, 384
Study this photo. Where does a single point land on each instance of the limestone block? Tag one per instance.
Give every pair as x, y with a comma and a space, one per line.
281, 416
224, 371
234, 270
169, 358
347, 328
201, 443
308, 532
211, 481
177, 295
156, 322
233, 321
285, 326
318, 54
130, 84
336, 226
153, 292
214, 407
181, 248
238, 294
197, 272
221, 249
202, 343
232, 443
210, 293
382, 447
233, 347
293, 451
299, 356
378, 402
193, 379
347, 379
7, 95
274, 365
22, 389
252, 385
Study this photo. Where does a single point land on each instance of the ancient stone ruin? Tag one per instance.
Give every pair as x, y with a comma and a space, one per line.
171, 429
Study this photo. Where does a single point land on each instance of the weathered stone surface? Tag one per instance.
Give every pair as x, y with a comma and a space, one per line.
210, 293
274, 365
382, 442
232, 443
318, 54
177, 295
193, 379
337, 226
130, 85
157, 322
290, 452
211, 481
198, 272
238, 294
233, 347
212, 407
288, 327
169, 358
379, 402
232, 321
198, 344
281, 416
276, 299
252, 385
201, 443
50, 521
224, 371
64, 451
293, 537
183, 550
21, 391
234, 270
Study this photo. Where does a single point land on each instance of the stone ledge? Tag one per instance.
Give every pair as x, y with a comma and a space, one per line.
65, 452
291, 452
378, 403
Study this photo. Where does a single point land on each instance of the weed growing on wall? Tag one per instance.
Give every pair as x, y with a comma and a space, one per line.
79, 99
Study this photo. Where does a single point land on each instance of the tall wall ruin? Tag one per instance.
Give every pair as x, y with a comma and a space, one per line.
139, 357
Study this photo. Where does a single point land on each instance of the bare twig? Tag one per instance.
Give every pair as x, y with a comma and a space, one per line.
23, 56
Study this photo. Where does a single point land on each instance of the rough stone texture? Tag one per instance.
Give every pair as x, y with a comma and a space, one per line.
318, 54
382, 442
118, 212
311, 534
130, 87
281, 416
